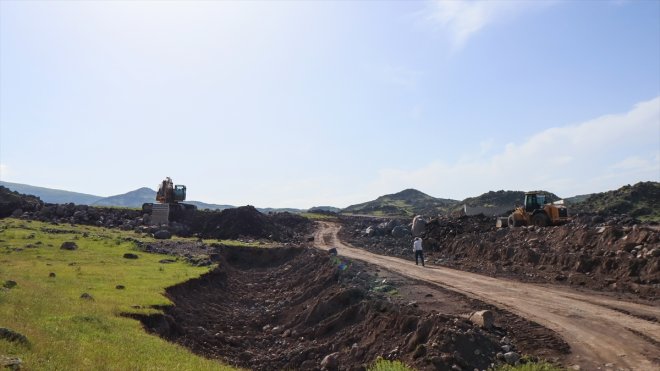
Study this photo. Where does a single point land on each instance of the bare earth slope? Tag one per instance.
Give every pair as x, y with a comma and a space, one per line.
601, 330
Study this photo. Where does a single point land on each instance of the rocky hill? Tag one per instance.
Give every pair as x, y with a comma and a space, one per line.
14, 203
641, 201
405, 203
496, 203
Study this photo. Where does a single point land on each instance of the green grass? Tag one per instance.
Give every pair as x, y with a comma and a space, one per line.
315, 216
385, 365
69, 333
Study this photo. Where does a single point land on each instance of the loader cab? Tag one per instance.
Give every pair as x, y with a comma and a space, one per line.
534, 201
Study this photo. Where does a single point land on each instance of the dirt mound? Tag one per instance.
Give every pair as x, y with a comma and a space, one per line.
606, 253
14, 203
246, 221
289, 308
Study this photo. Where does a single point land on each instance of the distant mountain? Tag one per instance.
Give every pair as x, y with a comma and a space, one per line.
203, 205
641, 200
497, 203
317, 209
408, 202
129, 199
53, 196
266, 210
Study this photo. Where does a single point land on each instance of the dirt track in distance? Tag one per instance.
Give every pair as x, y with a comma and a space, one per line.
601, 330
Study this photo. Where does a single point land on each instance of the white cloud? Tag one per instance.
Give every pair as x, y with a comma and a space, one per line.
461, 19
597, 155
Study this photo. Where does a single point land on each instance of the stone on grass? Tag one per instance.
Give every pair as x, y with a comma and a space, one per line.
11, 335
86, 296
10, 363
9, 284
129, 255
163, 234
68, 245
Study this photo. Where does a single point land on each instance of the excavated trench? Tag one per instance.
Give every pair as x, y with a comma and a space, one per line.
289, 308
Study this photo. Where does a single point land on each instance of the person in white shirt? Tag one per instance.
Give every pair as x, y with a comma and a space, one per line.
417, 248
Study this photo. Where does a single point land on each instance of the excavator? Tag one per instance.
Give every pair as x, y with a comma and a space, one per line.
536, 211
169, 209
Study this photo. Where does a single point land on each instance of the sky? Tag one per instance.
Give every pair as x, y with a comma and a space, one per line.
301, 104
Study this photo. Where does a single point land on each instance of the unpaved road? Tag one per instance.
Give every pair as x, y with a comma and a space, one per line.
603, 332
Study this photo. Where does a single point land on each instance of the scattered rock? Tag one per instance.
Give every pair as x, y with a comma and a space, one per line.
482, 318
69, 245
120, 287
400, 231
52, 275
330, 362
511, 357
167, 261
129, 255
162, 234
86, 296
11, 335
11, 363
9, 284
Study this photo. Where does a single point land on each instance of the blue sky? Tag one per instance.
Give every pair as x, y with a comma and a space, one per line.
296, 104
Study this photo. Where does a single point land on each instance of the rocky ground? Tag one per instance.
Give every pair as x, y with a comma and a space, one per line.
241, 222
300, 308
619, 253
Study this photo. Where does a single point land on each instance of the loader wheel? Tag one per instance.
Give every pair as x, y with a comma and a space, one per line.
541, 220
512, 222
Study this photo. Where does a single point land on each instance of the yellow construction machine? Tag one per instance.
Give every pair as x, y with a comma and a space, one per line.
536, 211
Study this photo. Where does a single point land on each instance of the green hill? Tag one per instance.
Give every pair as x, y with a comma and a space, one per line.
405, 203
641, 200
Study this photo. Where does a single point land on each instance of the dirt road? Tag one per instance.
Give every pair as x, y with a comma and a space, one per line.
603, 332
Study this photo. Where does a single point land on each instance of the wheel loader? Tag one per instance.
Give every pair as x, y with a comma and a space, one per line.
536, 211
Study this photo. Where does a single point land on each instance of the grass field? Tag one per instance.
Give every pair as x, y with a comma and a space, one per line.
69, 333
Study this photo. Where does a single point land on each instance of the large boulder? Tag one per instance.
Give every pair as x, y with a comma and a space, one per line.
482, 318
418, 226
162, 234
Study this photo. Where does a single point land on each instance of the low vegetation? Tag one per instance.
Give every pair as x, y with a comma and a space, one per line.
72, 304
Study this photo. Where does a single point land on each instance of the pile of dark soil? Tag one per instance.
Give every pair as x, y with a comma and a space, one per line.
243, 222
605, 253
248, 222
291, 308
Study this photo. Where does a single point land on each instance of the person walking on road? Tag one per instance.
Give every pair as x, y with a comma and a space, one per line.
417, 248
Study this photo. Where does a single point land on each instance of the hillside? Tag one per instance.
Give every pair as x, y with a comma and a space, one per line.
405, 203
129, 199
641, 200
53, 196
496, 203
